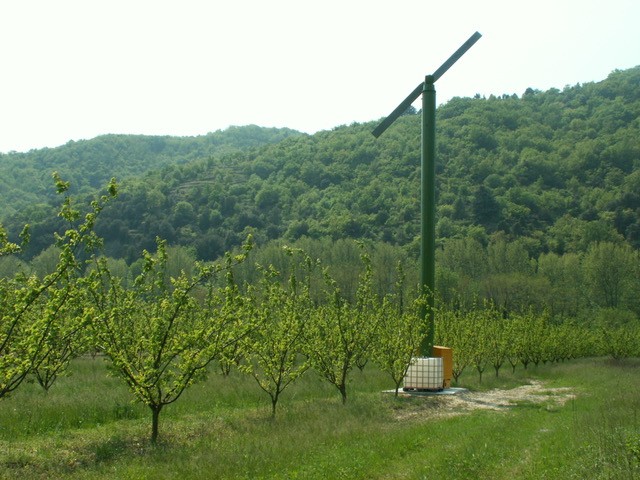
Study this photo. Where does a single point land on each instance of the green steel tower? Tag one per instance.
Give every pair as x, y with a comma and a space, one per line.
428, 195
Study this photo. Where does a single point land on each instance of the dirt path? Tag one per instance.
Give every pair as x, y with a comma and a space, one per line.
497, 399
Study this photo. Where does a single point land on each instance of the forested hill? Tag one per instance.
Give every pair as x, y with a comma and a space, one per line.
25, 178
558, 169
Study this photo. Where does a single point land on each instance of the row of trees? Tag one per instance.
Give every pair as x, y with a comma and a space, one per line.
161, 331
599, 283
483, 339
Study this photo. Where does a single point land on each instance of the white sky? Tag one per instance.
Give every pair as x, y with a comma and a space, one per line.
75, 69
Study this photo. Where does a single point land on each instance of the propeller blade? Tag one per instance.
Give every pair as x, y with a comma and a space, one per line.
400, 109
456, 56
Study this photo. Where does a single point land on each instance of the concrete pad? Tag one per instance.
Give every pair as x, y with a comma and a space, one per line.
423, 393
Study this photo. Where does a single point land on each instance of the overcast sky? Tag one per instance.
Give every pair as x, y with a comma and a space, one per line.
76, 69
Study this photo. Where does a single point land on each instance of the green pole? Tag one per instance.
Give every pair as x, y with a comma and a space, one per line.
428, 184
428, 210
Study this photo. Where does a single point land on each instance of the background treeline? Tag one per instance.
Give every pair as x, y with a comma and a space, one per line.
538, 196
599, 287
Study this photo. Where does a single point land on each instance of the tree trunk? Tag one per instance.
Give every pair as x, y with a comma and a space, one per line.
155, 415
398, 386
343, 391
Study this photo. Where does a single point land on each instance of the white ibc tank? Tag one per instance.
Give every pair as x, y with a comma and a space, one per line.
424, 373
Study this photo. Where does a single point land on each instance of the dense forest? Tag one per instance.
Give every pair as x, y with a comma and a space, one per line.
25, 178
535, 193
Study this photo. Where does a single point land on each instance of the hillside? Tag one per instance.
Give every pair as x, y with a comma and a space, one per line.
558, 169
25, 178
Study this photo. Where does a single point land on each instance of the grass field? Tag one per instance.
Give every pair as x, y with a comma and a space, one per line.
581, 422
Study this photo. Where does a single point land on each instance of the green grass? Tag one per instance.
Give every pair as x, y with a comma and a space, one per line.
86, 427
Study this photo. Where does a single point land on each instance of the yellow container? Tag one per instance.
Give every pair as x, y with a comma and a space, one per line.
447, 362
